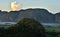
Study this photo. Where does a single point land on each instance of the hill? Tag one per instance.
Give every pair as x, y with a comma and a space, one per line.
41, 15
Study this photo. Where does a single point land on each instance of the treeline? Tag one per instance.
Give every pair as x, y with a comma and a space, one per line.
26, 27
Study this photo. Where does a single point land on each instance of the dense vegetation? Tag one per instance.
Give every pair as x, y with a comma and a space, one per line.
52, 31
28, 27
25, 28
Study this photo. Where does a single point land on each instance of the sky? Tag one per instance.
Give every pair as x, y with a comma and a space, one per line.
51, 5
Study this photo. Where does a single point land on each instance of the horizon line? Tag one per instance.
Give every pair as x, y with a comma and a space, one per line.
31, 8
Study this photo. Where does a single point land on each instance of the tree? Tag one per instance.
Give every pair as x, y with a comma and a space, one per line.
27, 27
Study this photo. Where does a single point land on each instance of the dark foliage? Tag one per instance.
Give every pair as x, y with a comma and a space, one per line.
25, 28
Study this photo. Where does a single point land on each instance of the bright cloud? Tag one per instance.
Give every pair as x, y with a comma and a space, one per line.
14, 6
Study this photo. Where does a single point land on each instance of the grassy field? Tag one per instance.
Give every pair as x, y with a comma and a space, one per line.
52, 31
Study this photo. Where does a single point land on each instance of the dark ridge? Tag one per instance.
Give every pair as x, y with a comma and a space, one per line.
41, 15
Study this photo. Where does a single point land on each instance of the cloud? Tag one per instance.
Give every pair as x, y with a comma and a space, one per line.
14, 6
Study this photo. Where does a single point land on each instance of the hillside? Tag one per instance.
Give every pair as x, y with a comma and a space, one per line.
41, 15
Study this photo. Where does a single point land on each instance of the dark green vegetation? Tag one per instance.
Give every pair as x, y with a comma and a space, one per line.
52, 31
25, 28
28, 27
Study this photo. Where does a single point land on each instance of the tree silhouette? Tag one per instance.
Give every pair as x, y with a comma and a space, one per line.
27, 27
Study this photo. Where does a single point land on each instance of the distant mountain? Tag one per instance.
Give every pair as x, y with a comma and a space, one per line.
57, 17
41, 15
